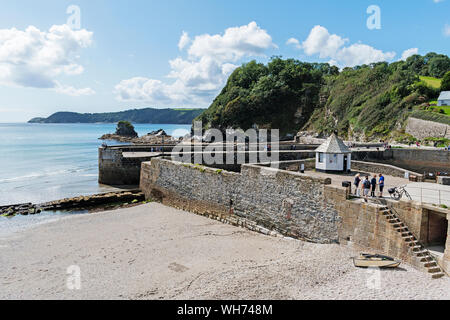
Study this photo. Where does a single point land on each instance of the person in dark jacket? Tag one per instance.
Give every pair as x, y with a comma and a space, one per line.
356, 183
366, 188
373, 182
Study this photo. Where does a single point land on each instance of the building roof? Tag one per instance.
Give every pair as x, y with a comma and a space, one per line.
333, 145
445, 95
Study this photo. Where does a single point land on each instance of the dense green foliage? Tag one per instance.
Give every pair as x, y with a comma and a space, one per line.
148, 115
365, 101
445, 84
431, 65
431, 116
282, 94
369, 101
126, 129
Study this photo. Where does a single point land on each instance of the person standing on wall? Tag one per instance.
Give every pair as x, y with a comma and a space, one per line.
373, 182
381, 184
366, 188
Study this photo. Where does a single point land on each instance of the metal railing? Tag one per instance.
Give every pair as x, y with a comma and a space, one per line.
429, 195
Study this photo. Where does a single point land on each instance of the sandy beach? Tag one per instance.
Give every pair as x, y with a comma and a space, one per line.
157, 252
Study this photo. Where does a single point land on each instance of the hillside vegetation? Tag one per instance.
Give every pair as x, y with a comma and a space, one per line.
148, 115
366, 102
432, 82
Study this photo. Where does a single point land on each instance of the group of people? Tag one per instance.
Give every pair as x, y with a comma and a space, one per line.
158, 149
369, 185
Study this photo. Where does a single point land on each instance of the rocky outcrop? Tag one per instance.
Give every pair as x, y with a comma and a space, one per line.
115, 137
154, 137
159, 132
19, 209
82, 202
126, 129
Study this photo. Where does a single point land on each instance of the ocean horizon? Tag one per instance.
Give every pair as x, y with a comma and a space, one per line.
46, 162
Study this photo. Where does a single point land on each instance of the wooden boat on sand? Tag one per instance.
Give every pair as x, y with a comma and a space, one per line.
375, 260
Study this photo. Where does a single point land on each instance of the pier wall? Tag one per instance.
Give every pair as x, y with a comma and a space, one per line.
418, 160
289, 203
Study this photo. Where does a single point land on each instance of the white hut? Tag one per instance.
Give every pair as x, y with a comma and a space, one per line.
333, 156
444, 99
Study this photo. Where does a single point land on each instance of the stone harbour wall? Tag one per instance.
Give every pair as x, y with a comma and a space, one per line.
114, 169
421, 129
417, 160
385, 169
365, 226
289, 203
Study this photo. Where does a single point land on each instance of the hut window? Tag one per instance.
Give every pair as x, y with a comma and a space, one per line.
321, 157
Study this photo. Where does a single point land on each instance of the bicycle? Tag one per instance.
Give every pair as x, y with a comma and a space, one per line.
398, 192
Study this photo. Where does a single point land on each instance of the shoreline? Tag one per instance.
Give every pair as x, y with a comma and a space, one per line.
156, 252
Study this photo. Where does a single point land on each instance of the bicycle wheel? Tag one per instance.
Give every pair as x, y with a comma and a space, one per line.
408, 195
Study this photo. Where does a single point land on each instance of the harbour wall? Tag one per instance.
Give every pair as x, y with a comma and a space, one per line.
117, 167
417, 160
121, 165
289, 203
283, 202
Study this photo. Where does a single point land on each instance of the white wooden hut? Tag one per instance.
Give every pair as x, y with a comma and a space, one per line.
333, 156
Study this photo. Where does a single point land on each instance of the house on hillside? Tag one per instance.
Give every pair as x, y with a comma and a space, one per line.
444, 99
333, 156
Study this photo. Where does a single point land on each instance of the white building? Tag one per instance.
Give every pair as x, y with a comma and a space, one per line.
444, 99
333, 156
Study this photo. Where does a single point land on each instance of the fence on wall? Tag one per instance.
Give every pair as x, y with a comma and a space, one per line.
429, 195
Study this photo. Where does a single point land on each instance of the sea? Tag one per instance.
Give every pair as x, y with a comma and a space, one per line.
45, 162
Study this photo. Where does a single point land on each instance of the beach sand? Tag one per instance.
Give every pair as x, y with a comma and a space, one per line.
157, 252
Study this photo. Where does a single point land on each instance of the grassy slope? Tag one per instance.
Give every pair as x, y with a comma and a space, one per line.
432, 82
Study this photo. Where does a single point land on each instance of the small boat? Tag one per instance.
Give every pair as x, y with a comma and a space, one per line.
375, 260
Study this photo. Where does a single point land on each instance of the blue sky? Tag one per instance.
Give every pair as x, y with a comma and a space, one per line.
128, 54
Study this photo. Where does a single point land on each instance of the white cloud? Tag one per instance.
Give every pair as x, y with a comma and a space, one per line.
447, 30
200, 76
437, 1
331, 46
71, 91
237, 42
294, 42
184, 40
321, 42
34, 58
408, 53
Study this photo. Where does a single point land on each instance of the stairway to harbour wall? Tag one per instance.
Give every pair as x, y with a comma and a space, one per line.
397, 229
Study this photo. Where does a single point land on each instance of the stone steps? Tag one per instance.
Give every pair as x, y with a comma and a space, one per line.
438, 275
430, 264
418, 251
434, 270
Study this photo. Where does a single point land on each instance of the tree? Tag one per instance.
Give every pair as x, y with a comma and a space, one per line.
439, 66
445, 85
126, 129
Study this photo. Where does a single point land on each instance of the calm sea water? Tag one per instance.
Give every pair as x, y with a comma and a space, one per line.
44, 162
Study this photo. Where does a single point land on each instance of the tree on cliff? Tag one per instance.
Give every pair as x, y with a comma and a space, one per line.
445, 85
370, 101
126, 129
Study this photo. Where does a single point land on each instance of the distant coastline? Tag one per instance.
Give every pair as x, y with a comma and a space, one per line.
141, 116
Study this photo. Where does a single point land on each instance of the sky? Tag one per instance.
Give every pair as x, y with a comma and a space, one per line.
105, 56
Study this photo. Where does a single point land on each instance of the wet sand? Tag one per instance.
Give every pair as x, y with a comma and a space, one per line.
156, 252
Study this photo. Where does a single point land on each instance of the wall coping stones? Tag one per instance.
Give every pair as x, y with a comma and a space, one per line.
382, 165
